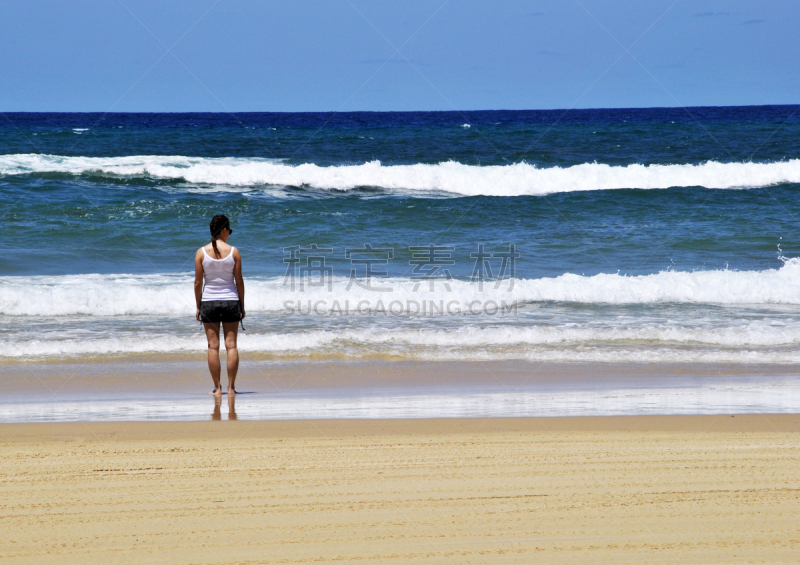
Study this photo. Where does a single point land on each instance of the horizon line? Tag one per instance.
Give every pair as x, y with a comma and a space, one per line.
389, 111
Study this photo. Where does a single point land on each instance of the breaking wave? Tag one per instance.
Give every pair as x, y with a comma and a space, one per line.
172, 295
448, 177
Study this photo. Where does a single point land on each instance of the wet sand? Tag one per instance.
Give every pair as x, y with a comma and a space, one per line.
168, 389
686, 489
154, 375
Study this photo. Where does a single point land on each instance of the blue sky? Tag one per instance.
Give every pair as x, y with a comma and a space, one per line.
246, 55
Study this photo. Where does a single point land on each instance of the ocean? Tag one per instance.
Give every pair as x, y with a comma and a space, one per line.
640, 235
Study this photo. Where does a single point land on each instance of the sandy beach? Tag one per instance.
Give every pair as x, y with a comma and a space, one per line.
702, 489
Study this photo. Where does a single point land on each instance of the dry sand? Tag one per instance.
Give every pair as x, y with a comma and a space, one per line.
569, 490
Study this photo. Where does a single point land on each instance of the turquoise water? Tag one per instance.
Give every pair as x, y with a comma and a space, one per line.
641, 235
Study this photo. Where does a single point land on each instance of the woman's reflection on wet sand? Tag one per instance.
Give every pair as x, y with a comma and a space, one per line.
231, 407
217, 413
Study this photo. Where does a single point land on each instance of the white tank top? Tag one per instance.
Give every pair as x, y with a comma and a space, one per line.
218, 281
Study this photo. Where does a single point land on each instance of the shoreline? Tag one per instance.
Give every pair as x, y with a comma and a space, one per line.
83, 432
177, 390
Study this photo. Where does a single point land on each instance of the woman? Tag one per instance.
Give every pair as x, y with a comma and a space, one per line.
219, 293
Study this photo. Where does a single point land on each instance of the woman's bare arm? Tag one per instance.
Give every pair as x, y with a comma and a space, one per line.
198, 280
237, 274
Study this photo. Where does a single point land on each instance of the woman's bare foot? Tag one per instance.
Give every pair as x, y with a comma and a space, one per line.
231, 391
216, 391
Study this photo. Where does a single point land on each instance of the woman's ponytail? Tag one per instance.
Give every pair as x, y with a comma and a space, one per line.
218, 223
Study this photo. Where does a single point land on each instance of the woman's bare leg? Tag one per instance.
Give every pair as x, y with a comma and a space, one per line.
212, 335
231, 333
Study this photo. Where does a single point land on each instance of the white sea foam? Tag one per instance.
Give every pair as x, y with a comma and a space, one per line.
449, 177
171, 295
754, 343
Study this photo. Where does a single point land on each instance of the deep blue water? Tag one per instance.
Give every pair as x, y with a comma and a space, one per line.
81, 223
541, 137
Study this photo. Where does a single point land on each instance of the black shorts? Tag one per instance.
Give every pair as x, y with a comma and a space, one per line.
216, 311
